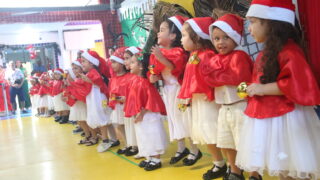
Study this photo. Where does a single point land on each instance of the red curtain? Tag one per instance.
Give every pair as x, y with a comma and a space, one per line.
309, 12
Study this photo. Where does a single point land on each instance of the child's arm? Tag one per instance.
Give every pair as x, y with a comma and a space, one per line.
264, 89
139, 117
156, 51
85, 78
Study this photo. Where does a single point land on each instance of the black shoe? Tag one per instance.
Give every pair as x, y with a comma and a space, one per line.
225, 177
132, 152
83, 134
123, 150
64, 120
143, 163
115, 143
190, 162
77, 130
152, 166
233, 176
57, 118
24, 111
181, 155
254, 178
214, 175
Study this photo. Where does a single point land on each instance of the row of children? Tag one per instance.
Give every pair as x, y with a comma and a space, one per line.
200, 61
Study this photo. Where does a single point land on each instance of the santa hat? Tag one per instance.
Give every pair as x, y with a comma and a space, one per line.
178, 21
231, 24
200, 26
280, 10
134, 50
44, 76
77, 62
92, 57
118, 55
58, 70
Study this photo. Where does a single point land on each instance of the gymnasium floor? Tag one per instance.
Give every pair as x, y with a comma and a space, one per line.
34, 148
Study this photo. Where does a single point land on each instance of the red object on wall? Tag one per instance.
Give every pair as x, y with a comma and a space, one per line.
309, 12
104, 16
32, 51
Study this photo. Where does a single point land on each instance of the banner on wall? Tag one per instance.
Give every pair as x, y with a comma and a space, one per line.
130, 12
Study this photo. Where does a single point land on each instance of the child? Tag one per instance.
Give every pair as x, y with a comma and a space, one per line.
128, 121
60, 107
168, 63
34, 93
98, 112
281, 127
50, 98
76, 93
196, 40
117, 92
145, 104
225, 72
44, 93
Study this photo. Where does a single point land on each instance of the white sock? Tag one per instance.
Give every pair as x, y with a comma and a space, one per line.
156, 160
181, 145
112, 133
193, 147
217, 165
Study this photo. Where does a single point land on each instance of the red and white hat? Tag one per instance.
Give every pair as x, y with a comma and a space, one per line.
231, 24
118, 55
77, 62
178, 21
58, 70
200, 26
92, 56
280, 10
134, 50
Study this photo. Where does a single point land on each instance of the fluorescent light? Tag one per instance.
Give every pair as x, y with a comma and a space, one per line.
45, 3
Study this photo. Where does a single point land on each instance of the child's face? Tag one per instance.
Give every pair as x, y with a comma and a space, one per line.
57, 76
116, 67
257, 29
135, 66
222, 42
127, 59
77, 70
86, 65
33, 82
186, 41
164, 36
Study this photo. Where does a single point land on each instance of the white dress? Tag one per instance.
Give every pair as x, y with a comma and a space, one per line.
97, 114
204, 120
35, 101
117, 115
287, 144
78, 112
43, 101
178, 121
130, 131
59, 104
151, 135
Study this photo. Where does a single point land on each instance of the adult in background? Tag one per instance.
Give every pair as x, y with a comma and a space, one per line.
15, 78
38, 67
25, 86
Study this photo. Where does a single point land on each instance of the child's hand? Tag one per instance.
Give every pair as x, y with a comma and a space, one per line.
121, 99
85, 78
255, 89
156, 51
138, 118
154, 78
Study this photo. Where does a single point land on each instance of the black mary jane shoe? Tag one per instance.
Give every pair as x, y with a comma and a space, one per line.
132, 151
115, 143
255, 178
233, 176
152, 166
190, 162
143, 163
123, 150
217, 174
181, 155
